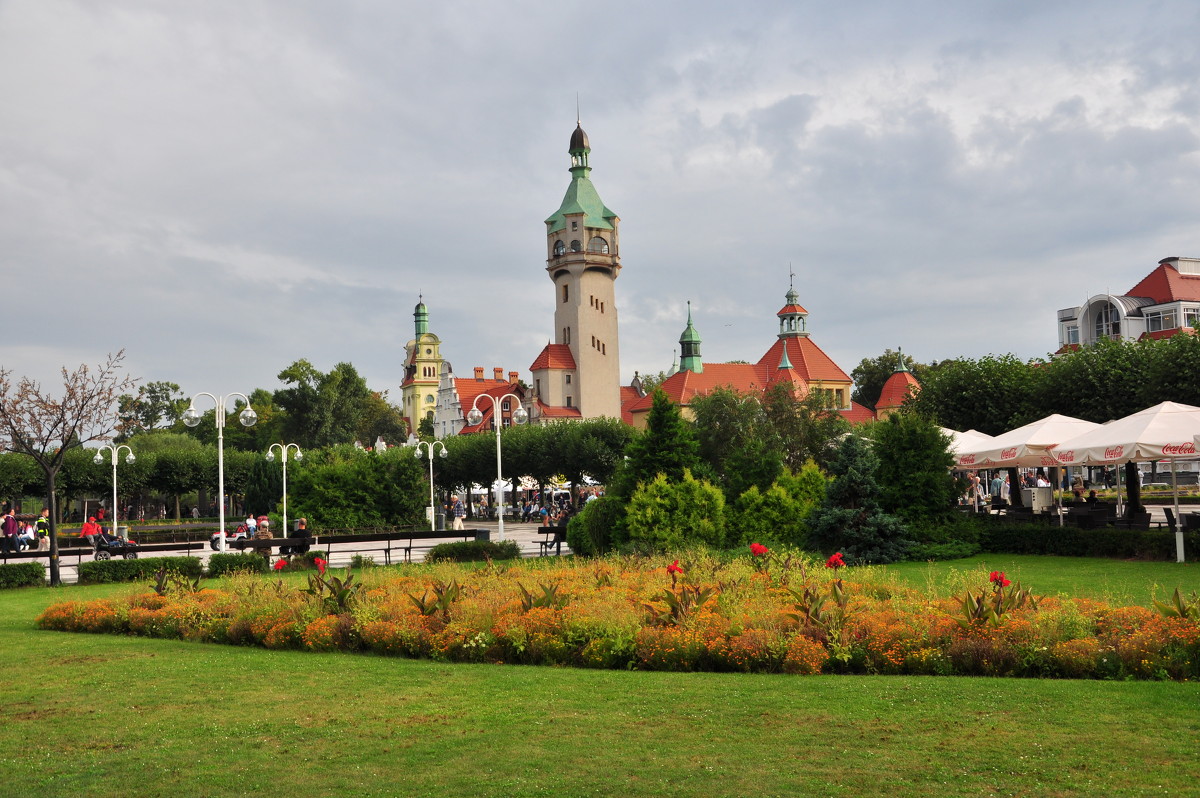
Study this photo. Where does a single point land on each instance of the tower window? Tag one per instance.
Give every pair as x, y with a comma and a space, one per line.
574, 225
603, 349
559, 247
569, 404
598, 245
566, 292
568, 376
576, 246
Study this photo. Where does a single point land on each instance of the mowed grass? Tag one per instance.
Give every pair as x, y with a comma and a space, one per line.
101, 715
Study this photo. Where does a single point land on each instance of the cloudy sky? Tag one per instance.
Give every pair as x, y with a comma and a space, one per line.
221, 188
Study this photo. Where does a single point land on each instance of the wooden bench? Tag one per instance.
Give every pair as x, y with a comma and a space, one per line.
551, 537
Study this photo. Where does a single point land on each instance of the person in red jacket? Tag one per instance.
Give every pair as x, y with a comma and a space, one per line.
91, 530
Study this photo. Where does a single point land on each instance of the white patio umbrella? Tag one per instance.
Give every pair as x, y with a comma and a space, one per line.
962, 443
1165, 431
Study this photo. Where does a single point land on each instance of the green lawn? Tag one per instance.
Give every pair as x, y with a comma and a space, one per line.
100, 715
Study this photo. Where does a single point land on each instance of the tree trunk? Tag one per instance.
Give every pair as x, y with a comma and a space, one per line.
52, 503
1133, 487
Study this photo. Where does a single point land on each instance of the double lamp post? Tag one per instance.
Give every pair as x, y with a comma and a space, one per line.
519, 416
247, 417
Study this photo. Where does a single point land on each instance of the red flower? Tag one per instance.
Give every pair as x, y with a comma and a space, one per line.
758, 549
280, 565
835, 561
675, 568
320, 565
998, 579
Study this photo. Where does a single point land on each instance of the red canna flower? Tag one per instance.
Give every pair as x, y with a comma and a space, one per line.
998, 579
758, 549
280, 565
675, 568
320, 563
835, 561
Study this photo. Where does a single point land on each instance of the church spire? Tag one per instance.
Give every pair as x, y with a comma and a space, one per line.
689, 345
793, 319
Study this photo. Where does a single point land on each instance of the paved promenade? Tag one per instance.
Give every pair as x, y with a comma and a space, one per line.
340, 554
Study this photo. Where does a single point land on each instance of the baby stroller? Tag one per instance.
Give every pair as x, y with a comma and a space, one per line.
108, 546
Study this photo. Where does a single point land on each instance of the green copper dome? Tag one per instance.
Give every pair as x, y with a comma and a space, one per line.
581, 196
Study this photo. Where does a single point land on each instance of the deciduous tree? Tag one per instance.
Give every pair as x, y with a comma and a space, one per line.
45, 426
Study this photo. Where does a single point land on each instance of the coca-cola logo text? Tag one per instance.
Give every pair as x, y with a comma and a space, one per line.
1179, 449
1113, 452
1067, 456
967, 459
1008, 454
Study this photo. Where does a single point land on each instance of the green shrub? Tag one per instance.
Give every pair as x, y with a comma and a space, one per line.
474, 550
22, 574
956, 550
220, 564
666, 515
1068, 541
358, 562
778, 515
599, 527
103, 571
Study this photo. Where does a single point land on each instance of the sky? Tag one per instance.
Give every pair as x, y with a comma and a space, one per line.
222, 188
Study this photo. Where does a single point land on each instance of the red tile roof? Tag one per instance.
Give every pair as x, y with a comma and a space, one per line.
550, 411
629, 397
787, 310
812, 364
1167, 333
1166, 284
897, 388
554, 356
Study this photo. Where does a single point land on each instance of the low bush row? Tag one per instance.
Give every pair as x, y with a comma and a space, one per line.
474, 551
22, 574
103, 571
1068, 541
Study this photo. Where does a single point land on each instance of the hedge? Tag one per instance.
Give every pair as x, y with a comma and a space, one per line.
220, 564
22, 574
474, 550
101, 571
1068, 541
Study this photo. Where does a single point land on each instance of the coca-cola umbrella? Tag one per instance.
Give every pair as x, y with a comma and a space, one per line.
961, 443
1165, 431
1030, 445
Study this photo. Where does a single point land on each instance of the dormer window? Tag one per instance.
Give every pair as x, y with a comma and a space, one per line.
598, 245
559, 247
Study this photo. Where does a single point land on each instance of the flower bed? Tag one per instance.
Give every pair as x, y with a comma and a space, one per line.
764, 612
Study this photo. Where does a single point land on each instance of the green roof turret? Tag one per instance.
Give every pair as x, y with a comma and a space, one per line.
689, 345
421, 316
581, 196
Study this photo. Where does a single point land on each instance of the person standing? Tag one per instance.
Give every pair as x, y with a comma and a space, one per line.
458, 512
9, 530
42, 527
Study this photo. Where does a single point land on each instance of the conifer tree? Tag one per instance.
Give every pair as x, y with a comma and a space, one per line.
851, 520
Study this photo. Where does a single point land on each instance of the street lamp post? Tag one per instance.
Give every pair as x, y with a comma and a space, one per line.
283, 452
519, 416
429, 447
248, 417
116, 453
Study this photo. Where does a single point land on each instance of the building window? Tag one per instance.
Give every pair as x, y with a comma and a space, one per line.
576, 246
1072, 334
566, 292
598, 245
569, 402
1108, 321
559, 247
1191, 317
603, 349
429, 399
537, 386
568, 379
1160, 320
567, 336
575, 226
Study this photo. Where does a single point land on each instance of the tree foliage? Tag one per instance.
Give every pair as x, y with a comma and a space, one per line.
990, 394
344, 486
780, 513
663, 514
807, 427
737, 440
667, 446
915, 481
323, 409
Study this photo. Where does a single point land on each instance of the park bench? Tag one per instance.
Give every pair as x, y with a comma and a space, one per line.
551, 535
400, 540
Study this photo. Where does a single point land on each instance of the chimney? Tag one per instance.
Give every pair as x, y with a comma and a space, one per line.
513, 377
479, 372
498, 374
